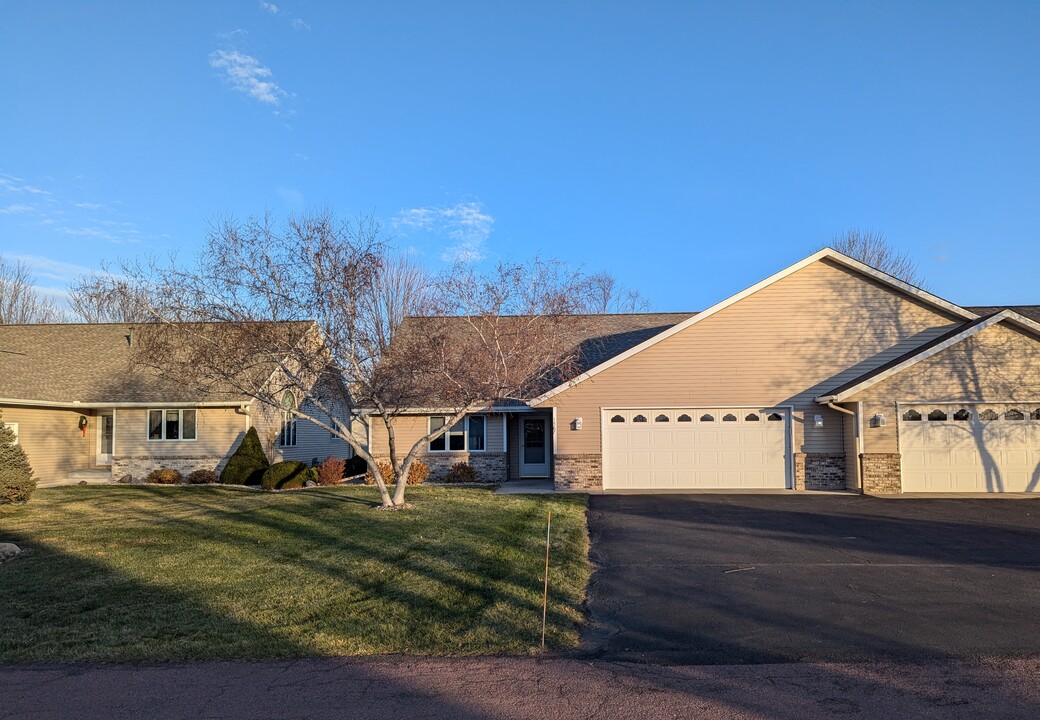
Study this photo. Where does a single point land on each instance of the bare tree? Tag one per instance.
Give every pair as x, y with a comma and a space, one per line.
100, 297
20, 300
607, 295
355, 364
872, 248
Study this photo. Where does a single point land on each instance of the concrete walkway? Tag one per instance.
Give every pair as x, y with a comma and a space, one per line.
526, 487
507, 688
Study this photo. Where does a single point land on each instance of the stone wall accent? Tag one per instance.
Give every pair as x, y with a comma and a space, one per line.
825, 471
881, 473
138, 467
819, 471
579, 473
490, 467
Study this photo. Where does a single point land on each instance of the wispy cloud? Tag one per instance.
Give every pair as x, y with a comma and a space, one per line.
46, 268
465, 224
299, 24
89, 206
247, 75
269, 7
16, 185
16, 209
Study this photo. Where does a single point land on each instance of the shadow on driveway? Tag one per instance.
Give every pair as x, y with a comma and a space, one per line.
719, 579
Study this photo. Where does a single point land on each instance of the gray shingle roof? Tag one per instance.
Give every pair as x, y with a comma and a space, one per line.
1030, 311
597, 338
88, 363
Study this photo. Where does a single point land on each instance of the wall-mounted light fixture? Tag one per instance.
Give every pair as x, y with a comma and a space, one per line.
576, 424
83, 424
878, 420
817, 421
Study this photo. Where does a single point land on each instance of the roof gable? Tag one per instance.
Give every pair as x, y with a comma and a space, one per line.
883, 279
936, 346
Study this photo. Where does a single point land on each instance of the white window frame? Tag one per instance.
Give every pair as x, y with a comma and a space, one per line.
162, 426
464, 432
14, 428
288, 435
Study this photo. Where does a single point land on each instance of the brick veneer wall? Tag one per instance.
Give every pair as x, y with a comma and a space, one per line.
819, 471
490, 467
578, 473
138, 467
881, 473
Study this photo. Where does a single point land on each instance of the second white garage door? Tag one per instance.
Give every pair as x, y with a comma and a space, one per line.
695, 448
970, 448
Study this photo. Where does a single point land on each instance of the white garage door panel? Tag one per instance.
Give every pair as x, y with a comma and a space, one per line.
642, 451
989, 451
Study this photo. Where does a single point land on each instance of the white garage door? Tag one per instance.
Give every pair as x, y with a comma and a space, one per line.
695, 448
970, 448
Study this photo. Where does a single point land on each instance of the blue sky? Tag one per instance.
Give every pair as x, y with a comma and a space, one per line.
690, 148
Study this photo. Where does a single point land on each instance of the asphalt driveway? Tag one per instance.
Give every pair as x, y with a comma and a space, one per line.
718, 579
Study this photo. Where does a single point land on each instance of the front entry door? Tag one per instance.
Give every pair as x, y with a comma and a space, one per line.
105, 438
534, 447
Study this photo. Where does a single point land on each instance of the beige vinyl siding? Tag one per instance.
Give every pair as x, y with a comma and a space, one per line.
409, 429
53, 441
217, 431
783, 345
996, 365
312, 441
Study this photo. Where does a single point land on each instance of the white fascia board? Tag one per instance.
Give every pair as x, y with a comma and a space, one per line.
105, 405
827, 253
1008, 315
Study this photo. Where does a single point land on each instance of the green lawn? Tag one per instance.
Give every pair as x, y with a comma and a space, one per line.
166, 573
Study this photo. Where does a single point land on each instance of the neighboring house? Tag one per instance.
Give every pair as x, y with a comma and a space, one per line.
82, 412
828, 375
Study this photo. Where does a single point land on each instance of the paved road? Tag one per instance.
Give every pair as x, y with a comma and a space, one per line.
829, 578
508, 688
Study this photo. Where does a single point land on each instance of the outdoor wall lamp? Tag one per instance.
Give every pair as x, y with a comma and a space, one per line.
576, 424
83, 424
878, 420
817, 421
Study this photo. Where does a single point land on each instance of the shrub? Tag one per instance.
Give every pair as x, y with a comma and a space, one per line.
164, 476
330, 472
286, 475
201, 477
16, 476
461, 472
354, 466
417, 473
247, 465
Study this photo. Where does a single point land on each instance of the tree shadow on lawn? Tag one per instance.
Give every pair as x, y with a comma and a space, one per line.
363, 581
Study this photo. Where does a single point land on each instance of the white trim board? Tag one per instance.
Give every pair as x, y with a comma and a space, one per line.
826, 253
1009, 315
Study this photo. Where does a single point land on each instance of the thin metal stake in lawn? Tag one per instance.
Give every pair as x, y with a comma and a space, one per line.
545, 589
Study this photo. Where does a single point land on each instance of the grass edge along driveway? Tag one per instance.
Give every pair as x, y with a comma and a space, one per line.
179, 573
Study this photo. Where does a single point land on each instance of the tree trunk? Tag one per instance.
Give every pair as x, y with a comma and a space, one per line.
402, 478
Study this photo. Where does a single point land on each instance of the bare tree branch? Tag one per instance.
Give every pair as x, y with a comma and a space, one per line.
871, 248
20, 301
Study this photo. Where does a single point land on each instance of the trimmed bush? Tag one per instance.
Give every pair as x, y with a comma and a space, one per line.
16, 476
417, 473
247, 465
164, 476
287, 475
202, 477
354, 466
330, 472
461, 472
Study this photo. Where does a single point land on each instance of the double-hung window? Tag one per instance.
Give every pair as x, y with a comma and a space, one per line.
470, 434
172, 424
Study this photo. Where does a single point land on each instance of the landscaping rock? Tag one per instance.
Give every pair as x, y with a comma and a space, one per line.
9, 550
126, 479
310, 483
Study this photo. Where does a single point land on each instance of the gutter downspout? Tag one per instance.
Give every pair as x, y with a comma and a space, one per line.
859, 442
